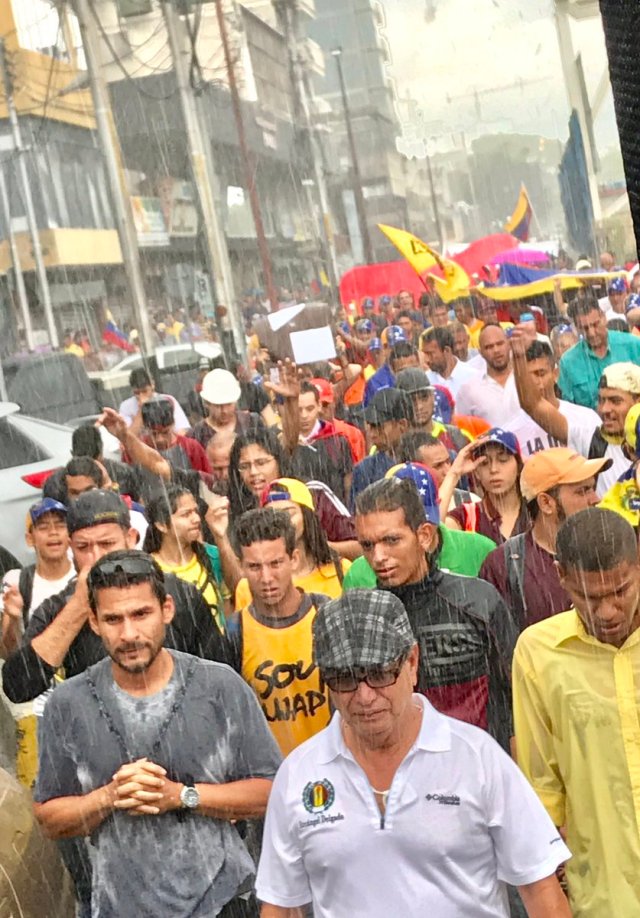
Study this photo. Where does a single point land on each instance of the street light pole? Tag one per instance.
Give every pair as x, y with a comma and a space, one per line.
355, 165
434, 202
247, 162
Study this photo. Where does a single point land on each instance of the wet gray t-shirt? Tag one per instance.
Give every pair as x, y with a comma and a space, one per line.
205, 726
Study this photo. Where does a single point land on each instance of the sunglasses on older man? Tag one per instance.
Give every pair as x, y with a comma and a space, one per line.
375, 677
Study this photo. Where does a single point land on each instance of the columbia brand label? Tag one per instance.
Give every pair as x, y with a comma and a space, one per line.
443, 799
318, 796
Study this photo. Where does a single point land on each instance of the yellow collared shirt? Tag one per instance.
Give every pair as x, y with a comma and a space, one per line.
578, 742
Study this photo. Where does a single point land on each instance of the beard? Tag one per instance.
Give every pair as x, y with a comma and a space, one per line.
140, 666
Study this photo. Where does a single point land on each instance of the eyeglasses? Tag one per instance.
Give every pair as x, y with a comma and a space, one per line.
133, 566
257, 464
374, 676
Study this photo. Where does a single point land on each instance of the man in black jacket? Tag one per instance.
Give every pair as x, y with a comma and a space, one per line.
58, 634
464, 630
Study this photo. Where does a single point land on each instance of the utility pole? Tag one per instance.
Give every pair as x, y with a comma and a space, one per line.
289, 19
434, 202
27, 199
204, 177
15, 260
110, 148
355, 164
248, 162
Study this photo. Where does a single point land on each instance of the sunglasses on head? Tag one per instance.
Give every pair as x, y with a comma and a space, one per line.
133, 566
374, 676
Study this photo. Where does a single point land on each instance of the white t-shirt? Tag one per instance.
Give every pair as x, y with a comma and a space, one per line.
461, 821
580, 440
130, 408
461, 373
533, 438
483, 397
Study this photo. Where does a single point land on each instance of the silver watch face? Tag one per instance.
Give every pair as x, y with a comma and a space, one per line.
189, 797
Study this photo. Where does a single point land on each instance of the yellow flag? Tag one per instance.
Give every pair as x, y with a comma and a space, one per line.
423, 259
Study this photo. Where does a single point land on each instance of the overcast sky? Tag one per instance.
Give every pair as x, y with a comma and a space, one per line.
480, 45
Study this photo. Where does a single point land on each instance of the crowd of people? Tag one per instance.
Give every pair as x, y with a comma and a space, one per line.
353, 638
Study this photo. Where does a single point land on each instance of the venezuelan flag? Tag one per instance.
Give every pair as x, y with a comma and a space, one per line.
520, 221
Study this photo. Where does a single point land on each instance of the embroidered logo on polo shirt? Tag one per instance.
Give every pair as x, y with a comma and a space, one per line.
318, 796
443, 799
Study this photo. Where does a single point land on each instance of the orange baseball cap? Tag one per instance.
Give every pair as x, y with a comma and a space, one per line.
557, 466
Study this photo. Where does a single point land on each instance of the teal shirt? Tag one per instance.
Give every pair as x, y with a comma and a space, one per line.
461, 553
580, 369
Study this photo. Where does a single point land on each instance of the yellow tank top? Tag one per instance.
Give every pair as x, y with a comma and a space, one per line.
278, 665
193, 572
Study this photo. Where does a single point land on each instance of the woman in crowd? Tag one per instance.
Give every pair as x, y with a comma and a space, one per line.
318, 569
496, 463
258, 458
174, 538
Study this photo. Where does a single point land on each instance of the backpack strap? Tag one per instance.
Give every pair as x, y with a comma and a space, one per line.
25, 585
598, 446
514, 549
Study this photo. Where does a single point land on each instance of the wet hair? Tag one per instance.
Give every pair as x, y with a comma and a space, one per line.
317, 544
264, 525
458, 327
596, 540
82, 465
443, 337
86, 441
533, 507
240, 497
401, 350
392, 494
140, 379
121, 579
539, 349
619, 325
583, 306
405, 314
412, 442
306, 387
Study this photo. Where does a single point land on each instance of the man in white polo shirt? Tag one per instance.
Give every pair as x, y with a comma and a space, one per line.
491, 395
395, 809
444, 367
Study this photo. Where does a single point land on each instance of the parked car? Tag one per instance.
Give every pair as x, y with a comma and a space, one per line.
173, 366
54, 387
30, 449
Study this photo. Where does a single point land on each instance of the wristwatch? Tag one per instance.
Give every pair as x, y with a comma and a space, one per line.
189, 797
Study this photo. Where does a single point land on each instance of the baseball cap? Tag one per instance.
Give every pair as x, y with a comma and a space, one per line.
633, 302
385, 300
157, 412
617, 285
503, 438
632, 427
96, 507
443, 405
392, 334
365, 325
368, 303
287, 489
624, 376
363, 628
220, 387
46, 505
375, 344
556, 466
413, 380
388, 405
422, 478
324, 389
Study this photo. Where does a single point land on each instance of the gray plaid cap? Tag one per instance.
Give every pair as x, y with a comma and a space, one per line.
362, 628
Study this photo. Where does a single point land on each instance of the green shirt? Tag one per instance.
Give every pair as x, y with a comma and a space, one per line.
461, 553
581, 369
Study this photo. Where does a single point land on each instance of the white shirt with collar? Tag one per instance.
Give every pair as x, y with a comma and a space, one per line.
483, 397
461, 821
460, 374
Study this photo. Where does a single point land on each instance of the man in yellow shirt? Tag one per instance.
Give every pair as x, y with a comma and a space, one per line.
463, 309
576, 687
271, 636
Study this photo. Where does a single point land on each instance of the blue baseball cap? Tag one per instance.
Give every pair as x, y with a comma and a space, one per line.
617, 285
368, 303
375, 344
443, 405
633, 302
46, 505
422, 478
503, 438
385, 300
365, 325
392, 335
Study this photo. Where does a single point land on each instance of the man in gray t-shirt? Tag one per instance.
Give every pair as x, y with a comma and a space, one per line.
152, 753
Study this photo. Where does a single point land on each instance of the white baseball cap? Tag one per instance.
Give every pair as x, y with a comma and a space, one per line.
220, 387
